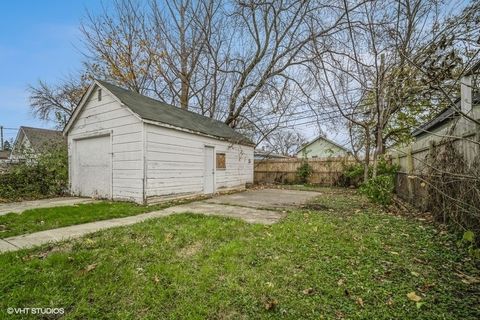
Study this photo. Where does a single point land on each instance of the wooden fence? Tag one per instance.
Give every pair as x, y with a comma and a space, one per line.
327, 171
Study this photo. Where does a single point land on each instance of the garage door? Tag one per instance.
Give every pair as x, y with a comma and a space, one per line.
91, 168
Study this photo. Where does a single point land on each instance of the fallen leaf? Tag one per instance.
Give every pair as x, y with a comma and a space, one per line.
156, 279
413, 296
467, 279
394, 253
389, 302
168, 237
89, 242
360, 302
308, 291
270, 304
340, 282
413, 273
89, 268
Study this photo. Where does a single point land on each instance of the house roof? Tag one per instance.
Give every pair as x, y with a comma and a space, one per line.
443, 117
156, 111
268, 154
473, 69
325, 139
39, 137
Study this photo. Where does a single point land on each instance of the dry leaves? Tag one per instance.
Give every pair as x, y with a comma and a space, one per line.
413, 296
270, 304
308, 291
360, 302
467, 279
168, 237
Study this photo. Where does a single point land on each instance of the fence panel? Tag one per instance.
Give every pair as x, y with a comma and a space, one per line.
326, 171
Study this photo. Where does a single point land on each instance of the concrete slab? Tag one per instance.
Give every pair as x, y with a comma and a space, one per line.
266, 198
71, 232
246, 205
250, 215
5, 246
19, 207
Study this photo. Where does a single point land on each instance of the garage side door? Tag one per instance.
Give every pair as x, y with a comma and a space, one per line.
92, 167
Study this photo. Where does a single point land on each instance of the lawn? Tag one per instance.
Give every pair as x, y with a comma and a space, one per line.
35, 220
341, 258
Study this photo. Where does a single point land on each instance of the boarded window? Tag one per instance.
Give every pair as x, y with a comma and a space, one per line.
221, 163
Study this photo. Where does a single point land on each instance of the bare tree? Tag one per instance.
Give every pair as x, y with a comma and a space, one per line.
284, 142
56, 103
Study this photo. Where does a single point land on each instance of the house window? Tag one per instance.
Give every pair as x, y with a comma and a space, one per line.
221, 163
99, 93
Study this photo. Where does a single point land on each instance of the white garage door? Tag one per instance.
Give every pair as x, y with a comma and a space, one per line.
91, 168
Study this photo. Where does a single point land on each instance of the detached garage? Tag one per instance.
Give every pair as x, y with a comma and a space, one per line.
126, 146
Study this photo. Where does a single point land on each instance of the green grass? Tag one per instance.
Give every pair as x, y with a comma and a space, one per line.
35, 220
348, 260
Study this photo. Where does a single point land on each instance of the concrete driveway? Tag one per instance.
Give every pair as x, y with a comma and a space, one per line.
266, 198
265, 206
19, 207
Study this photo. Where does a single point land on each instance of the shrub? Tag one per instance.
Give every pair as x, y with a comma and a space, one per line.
42, 177
379, 189
353, 174
304, 172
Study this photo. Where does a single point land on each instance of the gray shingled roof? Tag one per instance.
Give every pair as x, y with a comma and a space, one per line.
39, 138
154, 110
443, 117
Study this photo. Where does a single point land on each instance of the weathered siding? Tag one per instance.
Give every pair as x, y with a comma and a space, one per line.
175, 163
325, 171
108, 115
415, 160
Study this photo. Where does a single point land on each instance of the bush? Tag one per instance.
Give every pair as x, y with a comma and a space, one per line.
379, 189
303, 172
43, 177
353, 174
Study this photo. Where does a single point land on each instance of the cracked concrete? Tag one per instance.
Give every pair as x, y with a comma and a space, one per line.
249, 206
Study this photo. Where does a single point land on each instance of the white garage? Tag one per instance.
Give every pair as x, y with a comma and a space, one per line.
126, 146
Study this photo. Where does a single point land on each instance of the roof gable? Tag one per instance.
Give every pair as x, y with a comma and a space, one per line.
157, 112
323, 139
39, 138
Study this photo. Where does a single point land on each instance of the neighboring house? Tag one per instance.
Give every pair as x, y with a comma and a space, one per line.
126, 146
31, 142
322, 147
264, 155
449, 123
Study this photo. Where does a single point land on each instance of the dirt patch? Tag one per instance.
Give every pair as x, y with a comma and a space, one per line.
315, 207
66, 247
190, 250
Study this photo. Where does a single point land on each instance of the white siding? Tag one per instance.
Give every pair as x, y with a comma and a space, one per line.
108, 115
175, 163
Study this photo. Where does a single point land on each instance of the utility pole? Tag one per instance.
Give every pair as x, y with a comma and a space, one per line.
1, 137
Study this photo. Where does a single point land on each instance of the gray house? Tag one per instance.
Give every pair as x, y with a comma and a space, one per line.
31, 142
